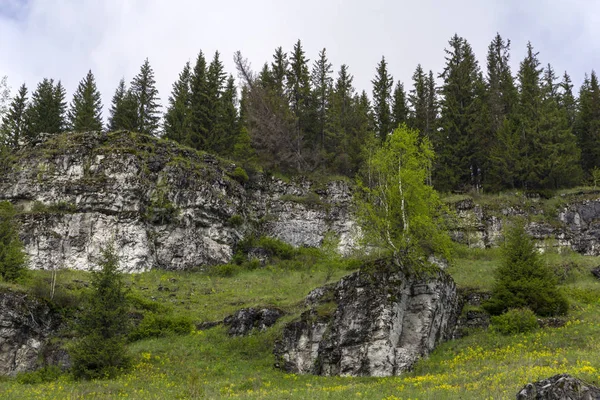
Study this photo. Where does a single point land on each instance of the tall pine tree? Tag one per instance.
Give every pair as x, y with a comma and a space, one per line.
299, 95
143, 87
321, 83
47, 112
86, 108
587, 123
382, 96
14, 122
178, 118
123, 109
399, 106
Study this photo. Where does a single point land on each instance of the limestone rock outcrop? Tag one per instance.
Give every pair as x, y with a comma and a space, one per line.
244, 321
26, 325
161, 204
559, 387
376, 322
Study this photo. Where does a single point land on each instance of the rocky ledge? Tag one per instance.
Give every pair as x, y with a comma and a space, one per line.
376, 322
559, 387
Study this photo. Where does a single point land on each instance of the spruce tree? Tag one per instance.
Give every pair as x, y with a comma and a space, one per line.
522, 280
178, 118
123, 109
455, 145
587, 123
432, 111
321, 83
418, 101
299, 93
214, 141
399, 106
555, 152
567, 100
279, 72
143, 88
199, 104
382, 96
14, 122
100, 350
340, 123
47, 111
228, 118
86, 108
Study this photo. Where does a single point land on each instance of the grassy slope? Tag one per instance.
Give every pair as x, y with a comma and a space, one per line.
208, 364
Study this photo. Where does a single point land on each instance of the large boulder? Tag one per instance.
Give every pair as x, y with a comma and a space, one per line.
559, 387
244, 321
376, 322
26, 325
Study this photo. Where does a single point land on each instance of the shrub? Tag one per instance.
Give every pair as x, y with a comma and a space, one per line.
12, 256
240, 175
224, 270
515, 320
100, 351
522, 280
157, 325
49, 373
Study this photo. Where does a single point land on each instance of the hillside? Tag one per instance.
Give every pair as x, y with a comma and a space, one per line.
204, 242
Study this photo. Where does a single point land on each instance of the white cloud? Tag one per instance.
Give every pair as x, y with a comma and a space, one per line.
62, 39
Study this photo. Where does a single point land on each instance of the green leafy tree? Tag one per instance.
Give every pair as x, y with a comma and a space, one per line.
86, 109
398, 210
143, 88
14, 122
178, 118
382, 96
123, 109
12, 256
100, 351
522, 280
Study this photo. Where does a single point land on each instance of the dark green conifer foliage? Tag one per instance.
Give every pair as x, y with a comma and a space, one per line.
228, 118
555, 153
587, 123
522, 280
123, 109
299, 95
12, 256
178, 118
382, 96
215, 140
47, 111
199, 104
279, 72
456, 165
418, 101
567, 100
399, 106
432, 106
322, 83
14, 122
143, 88
501, 90
86, 108
100, 351
340, 128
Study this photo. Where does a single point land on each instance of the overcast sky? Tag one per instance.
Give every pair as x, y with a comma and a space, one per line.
63, 39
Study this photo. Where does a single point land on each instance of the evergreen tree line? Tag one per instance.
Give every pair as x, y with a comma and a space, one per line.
491, 129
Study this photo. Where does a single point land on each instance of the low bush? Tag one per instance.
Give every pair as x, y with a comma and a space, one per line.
157, 325
49, 373
515, 320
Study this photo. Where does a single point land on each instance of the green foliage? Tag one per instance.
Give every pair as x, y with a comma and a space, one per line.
86, 109
47, 111
398, 210
100, 350
161, 210
160, 325
12, 256
123, 110
235, 220
14, 121
224, 270
178, 117
143, 89
523, 280
515, 320
48, 373
240, 175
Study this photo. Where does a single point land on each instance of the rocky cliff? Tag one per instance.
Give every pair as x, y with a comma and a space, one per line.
568, 221
26, 325
163, 205
376, 322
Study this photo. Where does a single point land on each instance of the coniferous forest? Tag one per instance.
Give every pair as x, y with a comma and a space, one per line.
491, 128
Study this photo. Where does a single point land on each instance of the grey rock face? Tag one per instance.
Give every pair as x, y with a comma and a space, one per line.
596, 272
576, 227
559, 387
26, 324
163, 206
370, 324
244, 321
